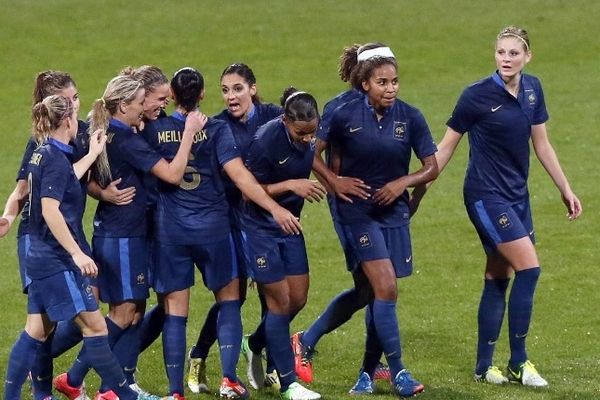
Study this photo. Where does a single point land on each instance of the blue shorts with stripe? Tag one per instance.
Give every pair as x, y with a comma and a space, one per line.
173, 265
244, 270
371, 241
271, 259
23, 244
61, 296
122, 268
497, 221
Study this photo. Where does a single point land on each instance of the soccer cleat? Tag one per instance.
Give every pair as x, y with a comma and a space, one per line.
177, 396
108, 395
405, 385
382, 373
255, 371
363, 385
196, 379
298, 392
272, 380
492, 375
154, 397
61, 385
232, 390
303, 356
136, 388
527, 375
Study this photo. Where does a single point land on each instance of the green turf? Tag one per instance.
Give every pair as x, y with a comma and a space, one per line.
441, 46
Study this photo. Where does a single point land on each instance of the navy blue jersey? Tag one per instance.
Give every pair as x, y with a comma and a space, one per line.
499, 127
274, 158
196, 211
378, 152
130, 157
243, 133
51, 175
330, 107
80, 149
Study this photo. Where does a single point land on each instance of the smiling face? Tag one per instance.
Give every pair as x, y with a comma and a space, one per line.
511, 57
382, 87
156, 100
132, 112
237, 95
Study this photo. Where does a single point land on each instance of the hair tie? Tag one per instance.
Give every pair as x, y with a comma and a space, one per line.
376, 52
103, 102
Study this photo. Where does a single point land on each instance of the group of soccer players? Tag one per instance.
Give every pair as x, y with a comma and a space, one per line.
225, 193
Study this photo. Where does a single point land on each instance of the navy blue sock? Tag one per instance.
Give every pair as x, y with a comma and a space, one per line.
174, 351
20, 361
127, 350
82, 364
258, 340
489, 320
337, 313
520, 307
151, 326
67, 334
277, 328
373, 349
386, 324
229, 332
42, 370
102, 359
208, 334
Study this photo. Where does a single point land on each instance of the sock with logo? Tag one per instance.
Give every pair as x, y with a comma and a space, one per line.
151, 326
373, 349
208, 334
520, 307
126, 350
20, 361
229, 333
489, 321
66, 335
386, 324
42, 370
102, 359
277, 328
174, 351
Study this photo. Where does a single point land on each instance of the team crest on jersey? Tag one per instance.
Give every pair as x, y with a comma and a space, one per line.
504, 221
313, 143
399, 130
531, 99
141, 279
261, 262
364, 240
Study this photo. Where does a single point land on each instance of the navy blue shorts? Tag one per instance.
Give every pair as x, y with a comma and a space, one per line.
173, 265
122, 268
500, 222
373, 242
61, 296
344, 236
271, 259
238, 241
23, 244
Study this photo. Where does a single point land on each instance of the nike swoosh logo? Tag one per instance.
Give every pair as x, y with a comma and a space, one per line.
43, 378
520, 336
494, 109
281, 162
407, 259
352, 130
122, 384
492, 342
284, 375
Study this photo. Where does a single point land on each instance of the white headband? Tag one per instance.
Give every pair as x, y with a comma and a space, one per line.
376, 52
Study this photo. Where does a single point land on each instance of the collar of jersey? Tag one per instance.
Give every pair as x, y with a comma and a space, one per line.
498, 80
118, 124
371, 108
65, 148
178, 115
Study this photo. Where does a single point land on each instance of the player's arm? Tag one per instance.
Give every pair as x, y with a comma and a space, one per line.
111, 193
308, 189
58, 226
547, 156
14, 205
97, 142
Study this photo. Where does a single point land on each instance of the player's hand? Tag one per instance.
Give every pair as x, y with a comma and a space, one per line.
287, 221
310, 190
390, 192
194, 122
4, 226
345, 186
85, 264
574, 208
120, 197
140, 127
97, 142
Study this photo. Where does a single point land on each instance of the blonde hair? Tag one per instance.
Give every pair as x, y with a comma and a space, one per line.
120, 89
48, 115
516, 32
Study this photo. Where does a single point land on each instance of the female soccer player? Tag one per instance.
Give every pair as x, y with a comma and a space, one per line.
502, 113
281, 157
244, 114
192, 228
343, 306
119, 243
58, 261
374, 136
